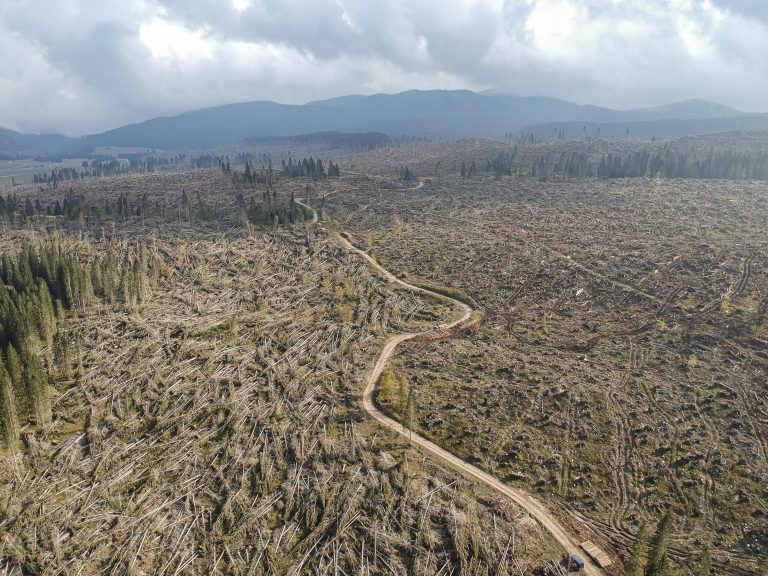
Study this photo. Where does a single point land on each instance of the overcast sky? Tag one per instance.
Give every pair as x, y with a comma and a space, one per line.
80, 66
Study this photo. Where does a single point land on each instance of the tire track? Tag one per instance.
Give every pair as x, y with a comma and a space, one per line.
523, 499
623, 453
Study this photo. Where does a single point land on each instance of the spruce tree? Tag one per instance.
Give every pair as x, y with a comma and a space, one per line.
638, 556
96, 280
402, 397
64, 290
9, 422
36, 386
410, 410
46, 315
762, 566
16, 374
386, 387
705, 563
76, 279
657, 559
61, 355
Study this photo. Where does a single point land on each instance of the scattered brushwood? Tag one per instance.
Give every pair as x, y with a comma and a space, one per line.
203, 199
620, 366
101, 165
426, 159
214, 428
732, 156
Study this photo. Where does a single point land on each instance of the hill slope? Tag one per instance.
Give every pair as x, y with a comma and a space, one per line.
17, 145
436, 114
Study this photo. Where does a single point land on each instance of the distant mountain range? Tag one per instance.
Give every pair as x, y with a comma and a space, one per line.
14, 144
438, 114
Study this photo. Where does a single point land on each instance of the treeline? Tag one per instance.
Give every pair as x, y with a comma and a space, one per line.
76, 207
271, 212
11, 205
503, 164
309, 168
252, 175
142, 163
223, 162
206, 161
725, 165
667, 163
88, 170
660, 162
72, 207
327, 140
109, 166
38, 288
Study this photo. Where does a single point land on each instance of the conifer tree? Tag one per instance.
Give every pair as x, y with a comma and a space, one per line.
386, 387
64, 290
657, 558
402, 396
705, 563
9, 423
16, 374
96, 280
61, 355
410, 410
36, 387
762, 566
46, 314
638, 556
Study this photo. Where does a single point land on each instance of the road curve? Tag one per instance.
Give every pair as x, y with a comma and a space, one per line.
520, 497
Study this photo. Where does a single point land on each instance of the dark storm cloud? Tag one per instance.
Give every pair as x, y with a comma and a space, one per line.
747, 8
85, 65
328, 29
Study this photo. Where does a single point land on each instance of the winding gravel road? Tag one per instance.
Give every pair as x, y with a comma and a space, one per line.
520, 497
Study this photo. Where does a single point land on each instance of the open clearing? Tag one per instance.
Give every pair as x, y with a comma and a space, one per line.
621, 367
216, 425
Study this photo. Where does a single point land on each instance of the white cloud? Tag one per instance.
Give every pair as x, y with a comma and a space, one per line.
85, 65
241, 5
552, 27
170, 41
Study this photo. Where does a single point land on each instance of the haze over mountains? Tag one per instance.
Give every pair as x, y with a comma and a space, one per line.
436, 114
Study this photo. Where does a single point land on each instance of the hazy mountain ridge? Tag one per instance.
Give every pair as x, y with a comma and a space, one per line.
15, 144
692, 109
438, 114
646, 130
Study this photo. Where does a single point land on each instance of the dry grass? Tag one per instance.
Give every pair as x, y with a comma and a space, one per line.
621, 369
215, 427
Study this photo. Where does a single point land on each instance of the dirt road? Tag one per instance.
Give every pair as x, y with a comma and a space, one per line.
523, 499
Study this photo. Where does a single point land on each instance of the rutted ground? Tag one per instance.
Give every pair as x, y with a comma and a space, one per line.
213, 428
621, 370
519, 497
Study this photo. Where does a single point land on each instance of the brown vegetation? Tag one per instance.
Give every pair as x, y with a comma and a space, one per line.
215, 427
621, 368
